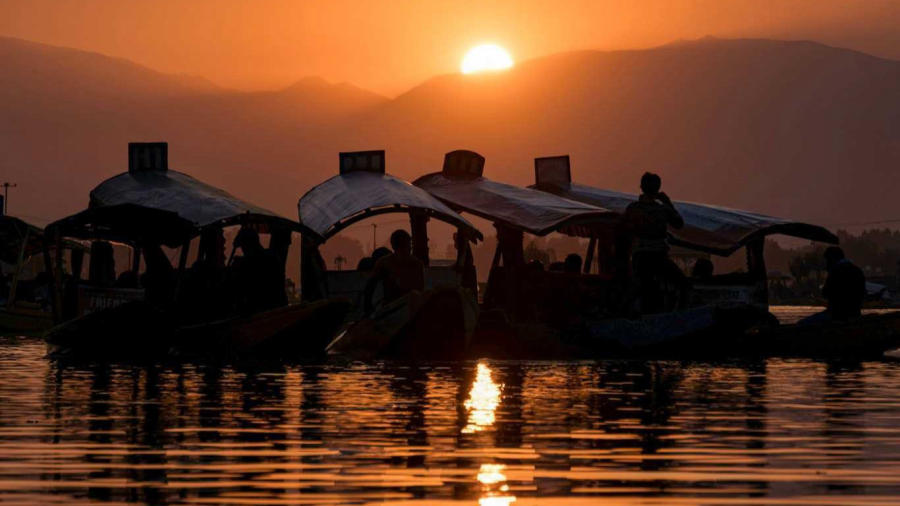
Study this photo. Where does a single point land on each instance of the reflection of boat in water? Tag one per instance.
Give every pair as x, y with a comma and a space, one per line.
26, 297
152, 206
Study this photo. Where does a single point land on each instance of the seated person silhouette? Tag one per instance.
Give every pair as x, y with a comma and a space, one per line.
572, 264
260, 278
702, 270
845, 289
399, 272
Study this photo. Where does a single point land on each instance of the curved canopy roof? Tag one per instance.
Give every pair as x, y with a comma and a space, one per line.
200, 204
714, 229
461, 185
149, 190
126, 223
16, 233
12, 232
347, 198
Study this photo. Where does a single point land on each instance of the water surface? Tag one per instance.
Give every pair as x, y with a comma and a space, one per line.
489, 433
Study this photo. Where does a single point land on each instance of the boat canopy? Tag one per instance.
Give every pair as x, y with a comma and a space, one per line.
12, 232
16, 234
362, 189
713, 229
151, 200
462, 186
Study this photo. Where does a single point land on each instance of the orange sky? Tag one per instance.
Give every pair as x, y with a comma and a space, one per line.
390, 45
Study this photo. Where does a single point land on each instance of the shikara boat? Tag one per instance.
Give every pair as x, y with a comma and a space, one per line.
152, 205
708, 229
361, 190
26, 308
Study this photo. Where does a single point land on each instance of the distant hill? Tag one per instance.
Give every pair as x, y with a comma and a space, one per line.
68, 115
790, 128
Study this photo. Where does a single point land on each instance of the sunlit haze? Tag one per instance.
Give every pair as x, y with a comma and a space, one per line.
389, 47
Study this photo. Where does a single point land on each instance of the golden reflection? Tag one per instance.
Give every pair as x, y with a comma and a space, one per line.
494, 486
483, 401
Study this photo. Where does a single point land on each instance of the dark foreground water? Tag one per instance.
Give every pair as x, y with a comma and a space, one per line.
767, 432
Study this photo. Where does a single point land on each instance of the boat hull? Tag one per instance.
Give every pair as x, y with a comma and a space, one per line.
435, 325
27, 321
138, 331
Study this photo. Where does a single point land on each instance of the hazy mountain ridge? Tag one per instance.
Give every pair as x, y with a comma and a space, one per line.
786, 127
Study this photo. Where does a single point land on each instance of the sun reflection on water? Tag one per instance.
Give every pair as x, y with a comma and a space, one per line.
494, 487
484, 397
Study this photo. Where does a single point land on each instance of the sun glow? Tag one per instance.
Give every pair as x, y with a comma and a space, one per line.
486, 57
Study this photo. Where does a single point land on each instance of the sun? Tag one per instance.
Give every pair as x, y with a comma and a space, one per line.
486, 57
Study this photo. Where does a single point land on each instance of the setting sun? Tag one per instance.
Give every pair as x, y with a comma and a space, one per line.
486, 57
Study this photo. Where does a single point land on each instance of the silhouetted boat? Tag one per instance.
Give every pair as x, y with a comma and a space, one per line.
363, 190
24, 311
868, 336
151, 204
707, 229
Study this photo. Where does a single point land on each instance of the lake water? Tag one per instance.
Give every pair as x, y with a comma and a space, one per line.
489, 433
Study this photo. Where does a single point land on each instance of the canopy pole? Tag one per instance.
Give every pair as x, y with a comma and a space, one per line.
589, 256
15, 281
312, 271
56, 276
418, 223
136, 262
182, 266
756, 268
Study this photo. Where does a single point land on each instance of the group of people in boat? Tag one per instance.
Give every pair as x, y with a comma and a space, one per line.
645, 228
212, 286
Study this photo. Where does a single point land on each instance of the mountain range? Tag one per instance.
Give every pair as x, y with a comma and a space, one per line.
791, 128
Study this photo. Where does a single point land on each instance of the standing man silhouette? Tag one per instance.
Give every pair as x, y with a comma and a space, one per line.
648, 221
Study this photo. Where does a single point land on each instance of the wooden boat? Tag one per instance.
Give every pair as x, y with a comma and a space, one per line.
21, 243
664, 334
708, 230
434, 325
868, 336
151, 205
294, 332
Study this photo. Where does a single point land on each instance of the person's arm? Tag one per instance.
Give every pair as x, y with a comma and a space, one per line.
675, 219
371, 283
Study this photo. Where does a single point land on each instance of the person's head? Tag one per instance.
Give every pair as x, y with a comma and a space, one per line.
401, 242
365, 264
572, 264
380, 252
833, 255
650, 183
248, 240
536, 265
703, 268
